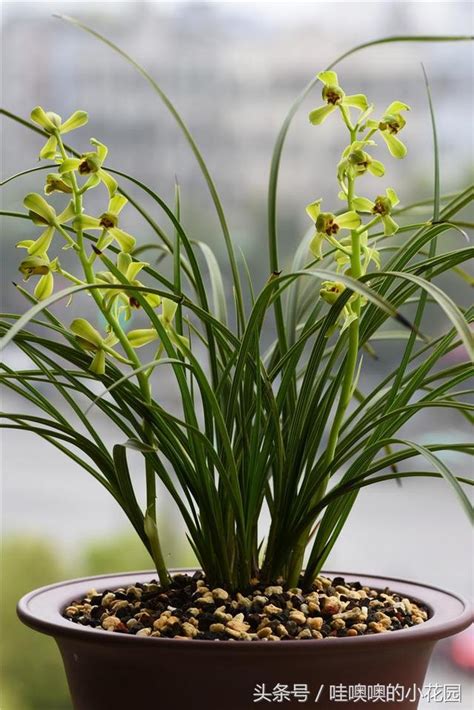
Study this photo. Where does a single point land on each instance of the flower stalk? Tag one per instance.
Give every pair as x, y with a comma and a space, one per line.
151, 529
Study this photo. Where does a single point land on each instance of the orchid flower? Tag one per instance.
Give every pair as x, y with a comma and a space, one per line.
327, 225
144, 336
42, 214
335, 97
91, 164
52, 124
391, 123
91, 340
129, 269
381, 206
108, 224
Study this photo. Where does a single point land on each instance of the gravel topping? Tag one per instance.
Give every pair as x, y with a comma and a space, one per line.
190, 609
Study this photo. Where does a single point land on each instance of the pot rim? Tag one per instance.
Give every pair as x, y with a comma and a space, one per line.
41, 611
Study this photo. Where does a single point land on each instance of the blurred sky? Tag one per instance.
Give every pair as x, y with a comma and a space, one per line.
233, 69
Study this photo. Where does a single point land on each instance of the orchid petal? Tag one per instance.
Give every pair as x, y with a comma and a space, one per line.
48, 151
125, 240
316, 245
348, 220
45, 286
362, 204
153, 299
392, 196
318, 115
134, 269
123, 262
329, 78
97, 365
69, 165
389, 224
394, 144
116, 204
110, 183
86, 332
67, 214
24, 244
376, 168
39, 116
42, 244
142, 336
102, 149
168, 311
313, 209
85, 221
76, 120
92, 181
357, 101
38, 205
396, 107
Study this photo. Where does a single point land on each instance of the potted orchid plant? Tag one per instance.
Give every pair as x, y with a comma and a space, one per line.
288, 430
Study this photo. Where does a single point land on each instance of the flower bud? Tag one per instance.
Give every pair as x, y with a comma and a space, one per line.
54, 118
34, 266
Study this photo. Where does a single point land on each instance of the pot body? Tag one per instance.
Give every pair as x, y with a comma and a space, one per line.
110, 671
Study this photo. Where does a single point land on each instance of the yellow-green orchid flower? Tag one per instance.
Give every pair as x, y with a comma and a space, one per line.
130, 269
91, 340
91, 164
390, 125
327, 225
355, 161
53, 125
330, 292
382, 207
144, 336
335, 97
108, 224
40, 265
42, 214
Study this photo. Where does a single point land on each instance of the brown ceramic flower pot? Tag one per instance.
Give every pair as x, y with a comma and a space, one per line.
110, 671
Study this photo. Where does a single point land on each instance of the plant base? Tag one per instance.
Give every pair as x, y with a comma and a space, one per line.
112, 671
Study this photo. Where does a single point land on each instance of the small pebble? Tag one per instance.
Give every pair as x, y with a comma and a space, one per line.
191, 609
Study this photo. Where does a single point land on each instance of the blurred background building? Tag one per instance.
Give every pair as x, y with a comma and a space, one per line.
232, 70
